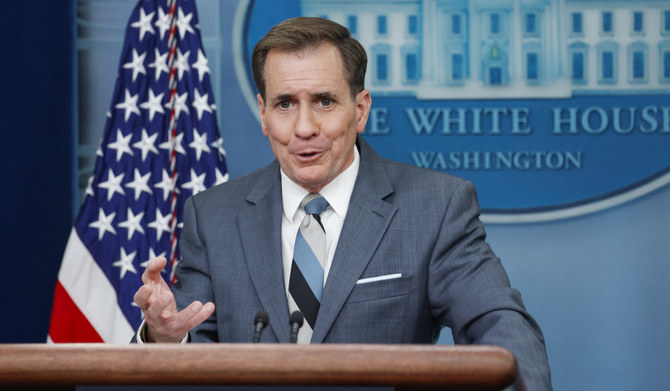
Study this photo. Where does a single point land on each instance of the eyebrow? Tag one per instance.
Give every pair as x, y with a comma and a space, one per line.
326, 95
319, 95
282, 97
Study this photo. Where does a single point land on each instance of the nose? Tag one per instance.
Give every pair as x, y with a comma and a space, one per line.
306, 122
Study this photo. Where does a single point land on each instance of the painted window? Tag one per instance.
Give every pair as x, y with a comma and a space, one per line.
495, 24
607, 64
382, 67
607, 23
531, 24
665, 27
578, 55
495, 76
412, 25
456, 24
577, 27
457, 67
531, 66
638, 56
411, 57
578, 66
352, 23
638, 65
382, 28
411, 67
638, 22
578, 63
380, 58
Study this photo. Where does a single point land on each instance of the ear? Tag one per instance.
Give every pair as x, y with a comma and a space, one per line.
261, 111
363, 104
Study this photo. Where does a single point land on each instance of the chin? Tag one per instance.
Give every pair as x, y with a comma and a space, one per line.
311, 183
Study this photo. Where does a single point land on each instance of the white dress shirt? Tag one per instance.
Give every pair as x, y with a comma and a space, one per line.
337, 193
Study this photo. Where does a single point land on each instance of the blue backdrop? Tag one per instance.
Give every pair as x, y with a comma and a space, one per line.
597, 283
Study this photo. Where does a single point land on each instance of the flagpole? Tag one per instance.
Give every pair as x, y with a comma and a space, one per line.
172, 44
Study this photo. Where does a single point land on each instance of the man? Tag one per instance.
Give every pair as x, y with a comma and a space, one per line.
404, 253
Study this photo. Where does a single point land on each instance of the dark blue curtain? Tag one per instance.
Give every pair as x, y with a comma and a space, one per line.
37, 137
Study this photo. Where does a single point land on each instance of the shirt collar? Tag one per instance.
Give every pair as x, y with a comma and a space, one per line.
337, 192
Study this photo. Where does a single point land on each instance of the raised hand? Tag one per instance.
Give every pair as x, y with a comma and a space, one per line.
164, 322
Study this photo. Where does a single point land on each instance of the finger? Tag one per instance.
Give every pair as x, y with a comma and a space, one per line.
142, 296
174, 328
153, 271
193, 315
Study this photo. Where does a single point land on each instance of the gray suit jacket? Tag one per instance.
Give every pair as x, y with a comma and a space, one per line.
401, 219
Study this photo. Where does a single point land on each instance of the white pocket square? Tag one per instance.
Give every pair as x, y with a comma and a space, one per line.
378, 278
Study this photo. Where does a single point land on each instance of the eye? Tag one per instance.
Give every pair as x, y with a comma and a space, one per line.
284, 104
326, 102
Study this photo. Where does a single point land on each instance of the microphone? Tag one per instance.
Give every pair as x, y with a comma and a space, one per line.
295, 320
261, 321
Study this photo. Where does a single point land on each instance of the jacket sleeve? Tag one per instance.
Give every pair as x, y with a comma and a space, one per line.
193, 275
469, 291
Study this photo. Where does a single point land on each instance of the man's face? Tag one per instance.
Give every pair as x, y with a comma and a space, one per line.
309, 116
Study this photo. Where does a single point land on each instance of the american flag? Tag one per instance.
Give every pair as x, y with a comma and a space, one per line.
160, 145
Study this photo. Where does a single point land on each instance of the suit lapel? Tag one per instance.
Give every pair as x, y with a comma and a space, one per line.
367, 219
260, 233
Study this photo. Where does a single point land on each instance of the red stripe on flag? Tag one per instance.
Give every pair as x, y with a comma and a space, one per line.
68, 323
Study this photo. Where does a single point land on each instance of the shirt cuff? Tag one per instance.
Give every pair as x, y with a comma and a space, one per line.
143, 329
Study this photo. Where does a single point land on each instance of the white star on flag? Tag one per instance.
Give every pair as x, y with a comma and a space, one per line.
201, 65
162, 22
153, 104
121, 145
161, 224
196, 184
199, 143
140, 183
133, 223
113, 184
220, 178
177, 144
184, 23
129, 105
104, 223
144, 23
200, 104
126, 263
166, 185
160, 63
181, 63
179, 104
137, 65
218, 145
147, 144
89, 187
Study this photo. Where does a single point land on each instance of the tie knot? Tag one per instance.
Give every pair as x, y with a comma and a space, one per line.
314, 204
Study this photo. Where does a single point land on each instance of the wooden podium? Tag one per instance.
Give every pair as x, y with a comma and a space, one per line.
405, 367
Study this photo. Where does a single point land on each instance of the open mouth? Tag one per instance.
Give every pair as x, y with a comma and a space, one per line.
309, 156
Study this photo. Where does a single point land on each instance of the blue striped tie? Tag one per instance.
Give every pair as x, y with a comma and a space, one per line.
309, 258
